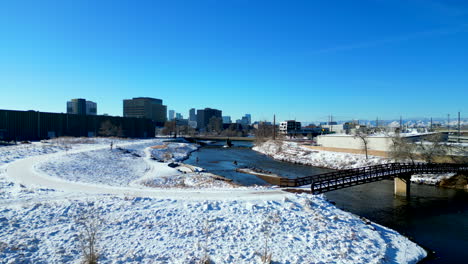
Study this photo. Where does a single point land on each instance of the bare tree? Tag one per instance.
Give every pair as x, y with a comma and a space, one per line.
364, 137
169, 128
432, 147
263, 132
231, 131
403, 149
215, 125
458, 153
107, 128
110, 130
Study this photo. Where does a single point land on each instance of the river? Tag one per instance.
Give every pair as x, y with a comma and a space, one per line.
435, 218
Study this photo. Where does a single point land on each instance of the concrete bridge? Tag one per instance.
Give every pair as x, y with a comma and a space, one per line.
400, 172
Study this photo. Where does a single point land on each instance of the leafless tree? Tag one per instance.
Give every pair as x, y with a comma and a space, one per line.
458, 153
215, 125
403, 149
231, 131
169, 128
263, 132
364, 137
432, 147
108, 129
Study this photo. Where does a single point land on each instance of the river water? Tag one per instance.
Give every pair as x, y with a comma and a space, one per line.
435, 218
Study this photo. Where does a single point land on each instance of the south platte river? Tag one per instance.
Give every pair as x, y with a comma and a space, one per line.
435, 218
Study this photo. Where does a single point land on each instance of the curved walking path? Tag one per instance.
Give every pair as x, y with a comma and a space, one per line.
22, 171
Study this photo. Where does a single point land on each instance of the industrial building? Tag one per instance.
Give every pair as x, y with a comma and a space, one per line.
33, 125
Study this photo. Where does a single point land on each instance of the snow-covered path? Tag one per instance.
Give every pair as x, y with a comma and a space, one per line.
24, 173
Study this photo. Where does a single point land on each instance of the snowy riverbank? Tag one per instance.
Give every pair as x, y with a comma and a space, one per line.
40, 214
295, 153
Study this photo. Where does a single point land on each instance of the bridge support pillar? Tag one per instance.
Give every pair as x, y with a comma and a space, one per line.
402, 186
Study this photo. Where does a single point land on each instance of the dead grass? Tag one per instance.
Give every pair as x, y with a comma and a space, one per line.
159, 147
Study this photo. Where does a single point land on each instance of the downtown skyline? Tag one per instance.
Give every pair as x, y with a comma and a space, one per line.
298, 60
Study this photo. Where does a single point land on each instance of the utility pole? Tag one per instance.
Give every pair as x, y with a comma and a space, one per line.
431, 123
274, 127
448, 123
459, 128
401, 122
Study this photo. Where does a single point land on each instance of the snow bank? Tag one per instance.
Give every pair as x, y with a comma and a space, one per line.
297, 229
293, 152
431, 179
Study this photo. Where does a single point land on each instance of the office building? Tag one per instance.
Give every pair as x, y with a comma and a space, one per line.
145, 107
171, 115
204, 116
192, 115
289, 126
179, 116
227, 120
248, 118
80, 106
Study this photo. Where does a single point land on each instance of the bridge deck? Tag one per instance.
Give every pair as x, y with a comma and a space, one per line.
345, 178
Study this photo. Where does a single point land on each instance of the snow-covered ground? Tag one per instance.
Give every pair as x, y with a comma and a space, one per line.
296, 229
431, 179
295, 153
41, 215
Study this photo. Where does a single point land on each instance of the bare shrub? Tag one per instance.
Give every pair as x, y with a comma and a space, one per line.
89, 225
205, 259
269, 222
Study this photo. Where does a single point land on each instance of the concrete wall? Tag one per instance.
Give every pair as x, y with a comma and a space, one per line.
381, 143
351, 142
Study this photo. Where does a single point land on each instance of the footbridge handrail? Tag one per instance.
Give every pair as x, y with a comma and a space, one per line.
349, 177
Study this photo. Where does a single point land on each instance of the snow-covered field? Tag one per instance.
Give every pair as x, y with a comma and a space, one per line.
296, 229
294, 152
183, 222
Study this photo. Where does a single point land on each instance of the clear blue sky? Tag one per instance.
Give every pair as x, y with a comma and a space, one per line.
298, 59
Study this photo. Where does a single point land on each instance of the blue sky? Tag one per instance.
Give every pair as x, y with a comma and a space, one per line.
296, 59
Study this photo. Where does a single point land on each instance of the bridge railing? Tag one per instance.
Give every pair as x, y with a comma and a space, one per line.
388, 170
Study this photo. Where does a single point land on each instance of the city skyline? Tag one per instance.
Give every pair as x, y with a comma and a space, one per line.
299, 60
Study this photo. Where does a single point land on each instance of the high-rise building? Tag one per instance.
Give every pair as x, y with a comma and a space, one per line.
80, 106
179, 116
226, 120
145, 107
249, 119
246, 119
91, 108
171, 114
192, 115
204, 116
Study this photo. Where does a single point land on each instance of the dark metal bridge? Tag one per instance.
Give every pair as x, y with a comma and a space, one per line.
345, 178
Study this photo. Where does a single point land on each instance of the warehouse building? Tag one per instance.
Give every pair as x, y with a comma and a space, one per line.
33, 125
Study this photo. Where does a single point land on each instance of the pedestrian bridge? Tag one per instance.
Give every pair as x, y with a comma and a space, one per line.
401, 172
